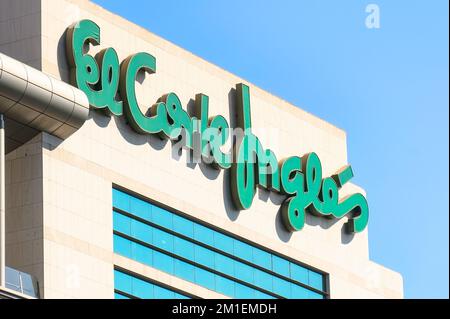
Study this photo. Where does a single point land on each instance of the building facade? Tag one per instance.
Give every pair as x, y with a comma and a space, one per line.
100, 204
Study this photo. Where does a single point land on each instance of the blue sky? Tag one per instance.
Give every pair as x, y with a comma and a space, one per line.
387, 87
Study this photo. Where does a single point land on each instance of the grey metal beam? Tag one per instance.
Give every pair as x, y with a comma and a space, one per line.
41, 102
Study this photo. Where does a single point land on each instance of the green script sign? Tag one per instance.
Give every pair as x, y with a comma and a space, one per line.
110, 87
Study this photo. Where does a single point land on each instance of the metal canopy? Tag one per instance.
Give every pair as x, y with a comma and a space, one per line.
33, 102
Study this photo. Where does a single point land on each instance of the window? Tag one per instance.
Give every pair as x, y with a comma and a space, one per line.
244, 272
262, 258
163, 240
183, 226
122, 246
298, 272
142, 254
121, 223
141, 288
194, 252
163, 262
204, 235
282, 287
298, 292
140, 208
120, 296
225, 286
184, 270
160, 217
204, 256
243, 250
121, 200
183, 248
243, 292
205, 278
122, 282
223, 242
126, 285
280, 266
140, 231
263, 279
224, 264
315, 280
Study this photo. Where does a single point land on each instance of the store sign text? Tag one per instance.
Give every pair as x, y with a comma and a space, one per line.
110, 87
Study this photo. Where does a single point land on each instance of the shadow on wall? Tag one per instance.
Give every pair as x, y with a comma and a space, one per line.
314, 221
63, 65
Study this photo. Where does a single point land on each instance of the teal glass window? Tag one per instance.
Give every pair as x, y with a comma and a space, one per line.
121, 223
299, 273
122, 246
184, 270
163, 262
141, 231
315, 280
263, 279
261, 295
299, 292
262, 258
122, 281
120, 296
141, 288
126, 284
142, 254
204, 256
183, 248
224, 264
162, 217
224, 286
163, 240
244, 272
282, 287
163, 293
243, 292
314, 295
243, 250
189, 250
140, 208
183, 226
223, 242
121, 200
280, 266
204, 278
204, 234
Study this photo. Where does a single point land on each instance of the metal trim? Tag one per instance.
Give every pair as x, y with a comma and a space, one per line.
33, 98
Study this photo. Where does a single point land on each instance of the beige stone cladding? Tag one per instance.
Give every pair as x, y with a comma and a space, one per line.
72, 189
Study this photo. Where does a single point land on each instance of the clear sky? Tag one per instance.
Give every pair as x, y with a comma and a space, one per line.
387, 87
